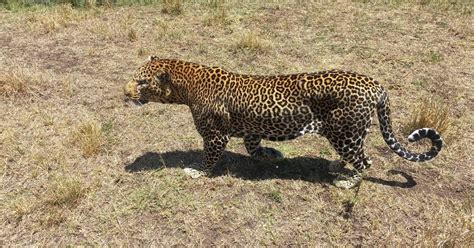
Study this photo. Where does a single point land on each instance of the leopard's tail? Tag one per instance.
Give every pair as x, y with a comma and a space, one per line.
383, 112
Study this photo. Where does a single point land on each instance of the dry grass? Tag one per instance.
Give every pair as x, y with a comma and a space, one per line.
90, 3
21, 207
80, 167
251, 42
172, 7
90, 138
429, 113
218, 14
132, 35
11, 84
64, 192
22, 82
60, 16
461, 6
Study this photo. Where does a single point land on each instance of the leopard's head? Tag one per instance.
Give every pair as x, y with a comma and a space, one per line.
151, 83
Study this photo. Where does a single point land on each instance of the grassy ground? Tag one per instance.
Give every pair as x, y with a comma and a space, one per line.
79, 166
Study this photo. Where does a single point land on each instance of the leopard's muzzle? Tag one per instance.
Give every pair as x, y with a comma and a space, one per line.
131, 92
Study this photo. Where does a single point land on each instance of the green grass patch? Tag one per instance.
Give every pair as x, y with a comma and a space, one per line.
435, 57
275, 196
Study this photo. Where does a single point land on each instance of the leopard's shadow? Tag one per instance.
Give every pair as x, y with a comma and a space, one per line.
300, 168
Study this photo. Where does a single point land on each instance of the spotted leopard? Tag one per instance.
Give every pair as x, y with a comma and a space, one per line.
335, 104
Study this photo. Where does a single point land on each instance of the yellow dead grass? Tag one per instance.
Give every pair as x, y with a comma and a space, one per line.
64, 191
89, 138
12, 84
252, 42
429, 113
172, 7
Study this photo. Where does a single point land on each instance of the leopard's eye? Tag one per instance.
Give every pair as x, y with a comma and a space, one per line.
142, 82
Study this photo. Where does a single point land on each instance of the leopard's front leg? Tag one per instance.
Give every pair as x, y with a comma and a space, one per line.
214, 131
214, 146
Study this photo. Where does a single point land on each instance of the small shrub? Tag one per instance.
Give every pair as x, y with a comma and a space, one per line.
429, 113
90, 138
172, 7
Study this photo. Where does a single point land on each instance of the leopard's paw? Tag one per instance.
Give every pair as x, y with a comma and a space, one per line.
268, 153
347, 181
195, 171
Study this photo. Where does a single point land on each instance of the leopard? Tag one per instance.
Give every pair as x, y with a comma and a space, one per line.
336, 104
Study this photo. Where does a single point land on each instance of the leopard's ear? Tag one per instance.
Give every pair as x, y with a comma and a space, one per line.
165, 82
152, 58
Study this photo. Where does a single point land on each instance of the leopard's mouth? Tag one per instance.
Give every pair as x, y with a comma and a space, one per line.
140, 102
132, 93
135, 101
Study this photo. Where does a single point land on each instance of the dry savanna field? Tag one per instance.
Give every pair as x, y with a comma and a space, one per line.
79, 166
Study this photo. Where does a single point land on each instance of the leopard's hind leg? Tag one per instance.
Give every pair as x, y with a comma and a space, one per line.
348, 139
252, 144
352, 154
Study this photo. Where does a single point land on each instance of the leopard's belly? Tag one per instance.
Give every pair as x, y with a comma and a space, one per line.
276, 129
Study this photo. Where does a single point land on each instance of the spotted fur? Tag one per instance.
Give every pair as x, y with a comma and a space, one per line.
335, 104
